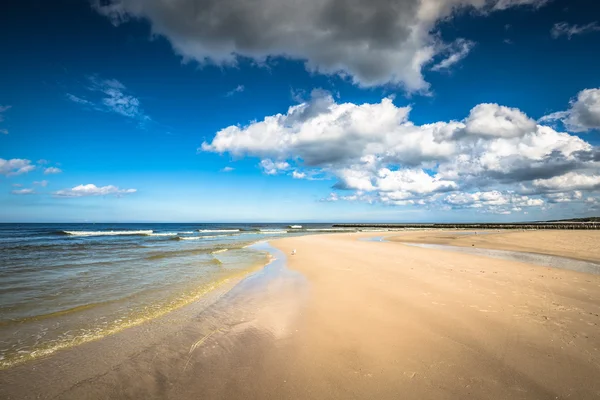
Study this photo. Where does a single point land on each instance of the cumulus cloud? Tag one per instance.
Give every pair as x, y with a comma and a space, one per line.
93, 190
271, 167
493, 120
583, 114
15, 166
569, 181
375, 150
43, 183
565, 29
110, 95
227, 169
373, 42
298, 175
23, 191
52, 170
565, 197
493, 201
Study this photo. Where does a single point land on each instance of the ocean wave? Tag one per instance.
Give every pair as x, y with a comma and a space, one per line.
164, 234
219, 251
272, 231
217, 230
331, 230
108, 233
177, 253
199, 237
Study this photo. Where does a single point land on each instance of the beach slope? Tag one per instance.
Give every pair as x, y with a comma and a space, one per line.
353, 319
389, 321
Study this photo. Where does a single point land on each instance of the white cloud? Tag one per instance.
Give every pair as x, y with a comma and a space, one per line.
93, 190
583, 114
569, 181
41, 183
298, 175
564, 197
412, 180
371, 42
79, 100
110, 95
16, 166
376, 150
237, 89
271, 167
23, 191
564, 29
3, 109
457, 52
493, 120
493, 201
52, 170
505, 4
227, 169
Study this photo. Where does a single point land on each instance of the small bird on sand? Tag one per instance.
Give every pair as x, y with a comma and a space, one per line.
293, 251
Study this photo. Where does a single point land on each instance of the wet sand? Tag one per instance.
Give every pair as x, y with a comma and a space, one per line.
352, 319
581, 245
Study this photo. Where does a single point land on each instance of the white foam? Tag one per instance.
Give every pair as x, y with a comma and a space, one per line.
217, 230
272, 231
199, 237
219, 251
108, 233
164, 234
331, 230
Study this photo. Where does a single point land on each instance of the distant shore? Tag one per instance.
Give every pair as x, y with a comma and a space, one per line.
579, 245
356, 319
560, 225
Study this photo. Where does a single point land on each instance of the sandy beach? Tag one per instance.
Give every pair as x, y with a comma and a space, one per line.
349, 318
580, 245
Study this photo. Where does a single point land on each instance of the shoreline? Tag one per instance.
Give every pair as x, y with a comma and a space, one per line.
556, 243
52, 374
349, 318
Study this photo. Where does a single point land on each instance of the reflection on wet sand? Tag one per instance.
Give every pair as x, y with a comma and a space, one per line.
544, 260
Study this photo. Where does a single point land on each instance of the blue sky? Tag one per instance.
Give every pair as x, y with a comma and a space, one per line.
414, 110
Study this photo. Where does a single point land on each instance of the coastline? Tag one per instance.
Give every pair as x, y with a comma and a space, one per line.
58, 373
348, 318
556, 242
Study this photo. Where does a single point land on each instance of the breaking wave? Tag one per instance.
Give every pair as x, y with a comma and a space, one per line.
108, 233
217, 230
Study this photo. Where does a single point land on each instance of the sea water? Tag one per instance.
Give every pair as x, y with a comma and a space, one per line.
65, 284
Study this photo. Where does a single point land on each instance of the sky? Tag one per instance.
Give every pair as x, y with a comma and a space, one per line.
299, 111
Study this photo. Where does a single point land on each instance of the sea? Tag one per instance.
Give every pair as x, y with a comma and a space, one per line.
62, 285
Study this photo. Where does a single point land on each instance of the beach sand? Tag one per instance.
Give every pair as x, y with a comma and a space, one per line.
580, 245
357, 319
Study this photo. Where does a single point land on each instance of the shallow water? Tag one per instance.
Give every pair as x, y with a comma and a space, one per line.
65, 284
178, 347
544, 260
